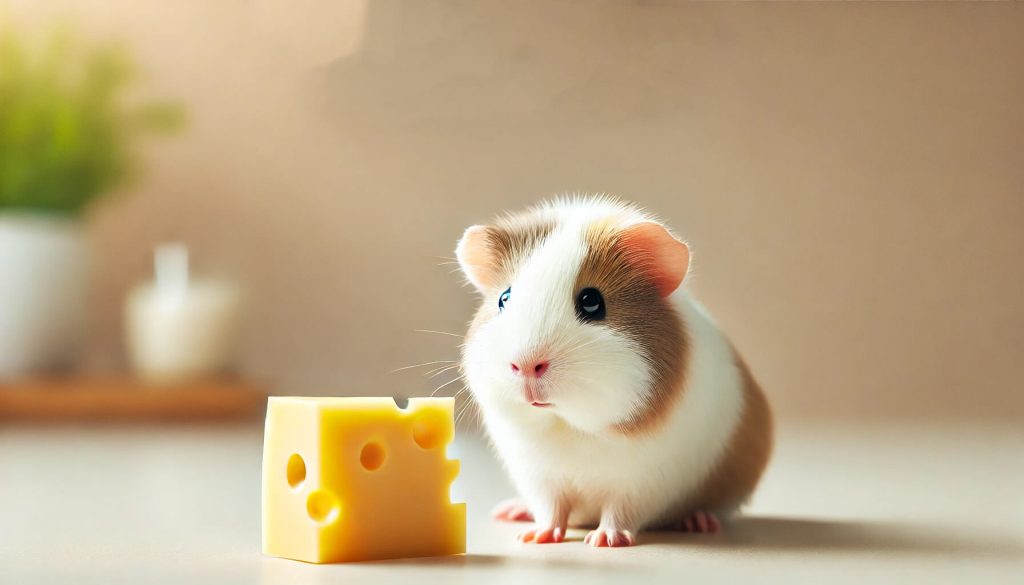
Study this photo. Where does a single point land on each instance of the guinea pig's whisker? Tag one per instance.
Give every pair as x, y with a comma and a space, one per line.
580, 346
439, 332
575, 348
449, 382
466, 409
460, 415
438, 371
474, 411
581, 363
423, 364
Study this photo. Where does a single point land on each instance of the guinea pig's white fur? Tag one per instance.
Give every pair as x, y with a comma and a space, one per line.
573, 463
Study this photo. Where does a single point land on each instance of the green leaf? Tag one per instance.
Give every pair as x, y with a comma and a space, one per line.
68, 132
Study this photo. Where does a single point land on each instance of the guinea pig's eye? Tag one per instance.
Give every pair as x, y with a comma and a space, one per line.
505, 296
590, 305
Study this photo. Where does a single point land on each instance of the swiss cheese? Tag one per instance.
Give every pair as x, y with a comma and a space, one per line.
354, 479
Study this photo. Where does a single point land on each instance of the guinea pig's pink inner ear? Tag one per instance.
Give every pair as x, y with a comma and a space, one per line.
657, 252
476, 256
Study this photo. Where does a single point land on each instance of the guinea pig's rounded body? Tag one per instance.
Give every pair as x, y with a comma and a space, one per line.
610, 395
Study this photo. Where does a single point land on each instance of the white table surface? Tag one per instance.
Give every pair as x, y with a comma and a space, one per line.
839, 504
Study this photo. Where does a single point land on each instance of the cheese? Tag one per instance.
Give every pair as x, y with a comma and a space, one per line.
355, 479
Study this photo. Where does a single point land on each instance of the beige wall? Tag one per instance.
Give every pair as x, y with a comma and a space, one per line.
851, 177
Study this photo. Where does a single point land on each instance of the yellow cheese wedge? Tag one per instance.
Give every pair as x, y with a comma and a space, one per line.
355, 479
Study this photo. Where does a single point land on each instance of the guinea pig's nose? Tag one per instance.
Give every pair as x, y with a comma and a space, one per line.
534, 369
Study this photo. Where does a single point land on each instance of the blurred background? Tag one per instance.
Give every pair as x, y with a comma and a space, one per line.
850, 178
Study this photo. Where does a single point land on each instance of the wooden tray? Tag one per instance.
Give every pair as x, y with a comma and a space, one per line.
121, 398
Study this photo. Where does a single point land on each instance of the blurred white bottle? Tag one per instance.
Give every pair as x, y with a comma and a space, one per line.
179, 328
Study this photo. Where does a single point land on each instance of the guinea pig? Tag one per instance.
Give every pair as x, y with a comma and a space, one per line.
609, 394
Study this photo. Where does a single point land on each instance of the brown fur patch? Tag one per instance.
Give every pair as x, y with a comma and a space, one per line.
746, 455
511, 241
635, 309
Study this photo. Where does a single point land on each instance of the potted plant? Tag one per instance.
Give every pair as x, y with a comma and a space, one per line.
67, 132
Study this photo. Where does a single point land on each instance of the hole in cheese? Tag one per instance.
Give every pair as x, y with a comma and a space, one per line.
322, 506
296, 471
428, 432
372, 456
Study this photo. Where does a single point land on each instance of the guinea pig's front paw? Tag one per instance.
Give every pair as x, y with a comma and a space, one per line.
547, 535
610, 537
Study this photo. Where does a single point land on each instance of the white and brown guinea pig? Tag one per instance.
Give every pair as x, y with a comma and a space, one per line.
610, 395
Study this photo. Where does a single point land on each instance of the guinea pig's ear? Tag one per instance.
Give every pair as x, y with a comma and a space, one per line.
663, 256
476, 257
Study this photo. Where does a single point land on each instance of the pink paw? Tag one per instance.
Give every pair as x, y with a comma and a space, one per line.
700, 522
612, 538
512, 510
543, 535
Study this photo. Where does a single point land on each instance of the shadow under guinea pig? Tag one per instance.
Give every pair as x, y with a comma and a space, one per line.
770, 533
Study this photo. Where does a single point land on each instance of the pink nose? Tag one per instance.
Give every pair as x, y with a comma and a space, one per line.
531, 369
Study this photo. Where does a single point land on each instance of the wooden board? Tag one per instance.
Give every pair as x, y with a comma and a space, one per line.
121, 398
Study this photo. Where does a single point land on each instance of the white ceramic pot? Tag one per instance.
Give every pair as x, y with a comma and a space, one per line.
43, 288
